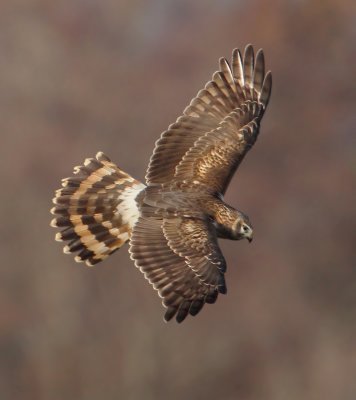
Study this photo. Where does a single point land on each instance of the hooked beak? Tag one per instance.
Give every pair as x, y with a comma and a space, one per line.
249, 239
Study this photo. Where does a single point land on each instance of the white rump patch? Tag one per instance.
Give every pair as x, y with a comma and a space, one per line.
128, 207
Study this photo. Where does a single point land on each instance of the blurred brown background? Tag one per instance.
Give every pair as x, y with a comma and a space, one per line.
87, 75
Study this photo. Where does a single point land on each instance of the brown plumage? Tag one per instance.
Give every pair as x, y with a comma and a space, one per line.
173, 224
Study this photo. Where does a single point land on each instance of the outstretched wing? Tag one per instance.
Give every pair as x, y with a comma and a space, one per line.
182, 260
207, 143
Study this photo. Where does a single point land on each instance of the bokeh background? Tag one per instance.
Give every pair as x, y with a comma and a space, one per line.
87, 75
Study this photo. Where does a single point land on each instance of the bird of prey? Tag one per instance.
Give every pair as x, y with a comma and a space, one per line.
173, 222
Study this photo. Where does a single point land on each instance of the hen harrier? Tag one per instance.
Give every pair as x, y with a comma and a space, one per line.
173, 222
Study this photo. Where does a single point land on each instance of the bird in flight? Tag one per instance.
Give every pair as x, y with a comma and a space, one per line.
173, 222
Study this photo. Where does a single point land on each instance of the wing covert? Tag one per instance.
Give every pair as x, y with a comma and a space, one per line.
215, 156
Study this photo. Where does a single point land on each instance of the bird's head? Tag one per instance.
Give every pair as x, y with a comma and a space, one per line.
243, 228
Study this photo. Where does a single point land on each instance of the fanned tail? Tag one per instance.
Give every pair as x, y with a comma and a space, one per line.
96, 209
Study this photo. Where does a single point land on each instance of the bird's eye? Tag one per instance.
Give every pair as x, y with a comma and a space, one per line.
245, 228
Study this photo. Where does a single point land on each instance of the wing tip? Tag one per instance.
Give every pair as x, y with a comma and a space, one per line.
266, 89
170, 313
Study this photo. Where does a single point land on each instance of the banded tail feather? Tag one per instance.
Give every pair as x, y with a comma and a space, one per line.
96, 209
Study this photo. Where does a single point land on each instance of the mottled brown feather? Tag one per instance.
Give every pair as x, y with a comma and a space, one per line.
242, 88
169, 271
